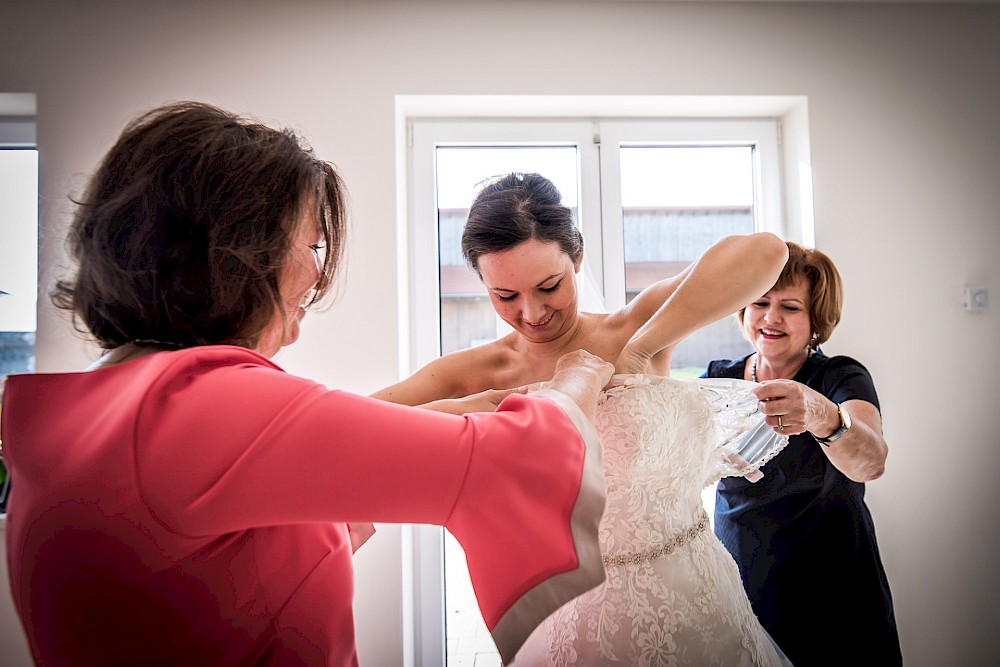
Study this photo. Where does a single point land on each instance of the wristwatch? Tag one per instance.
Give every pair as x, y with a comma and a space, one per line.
845, 426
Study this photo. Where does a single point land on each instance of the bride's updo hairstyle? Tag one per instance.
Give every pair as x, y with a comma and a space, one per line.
182, 234
516, 208
826, 293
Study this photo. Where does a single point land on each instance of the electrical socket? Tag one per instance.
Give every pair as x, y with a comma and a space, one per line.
977, 298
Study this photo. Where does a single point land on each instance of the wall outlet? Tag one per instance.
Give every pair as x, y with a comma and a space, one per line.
977, 298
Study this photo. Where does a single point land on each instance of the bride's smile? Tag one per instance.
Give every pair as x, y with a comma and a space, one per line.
532, 289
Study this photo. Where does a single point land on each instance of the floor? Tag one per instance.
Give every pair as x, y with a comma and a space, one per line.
468, 641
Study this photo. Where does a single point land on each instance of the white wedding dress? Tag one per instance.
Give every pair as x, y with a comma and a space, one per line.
673, 594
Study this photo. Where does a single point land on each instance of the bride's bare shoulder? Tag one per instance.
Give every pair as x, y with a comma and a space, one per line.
475, 367
601, 318
606, 329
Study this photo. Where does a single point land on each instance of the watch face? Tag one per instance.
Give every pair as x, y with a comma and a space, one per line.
845, 417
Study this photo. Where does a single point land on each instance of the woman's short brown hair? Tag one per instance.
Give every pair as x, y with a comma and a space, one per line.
182, 233
826, 294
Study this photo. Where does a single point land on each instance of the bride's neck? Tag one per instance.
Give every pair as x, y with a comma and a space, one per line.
567, 341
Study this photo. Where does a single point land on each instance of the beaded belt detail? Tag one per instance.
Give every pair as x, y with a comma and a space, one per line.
647, 555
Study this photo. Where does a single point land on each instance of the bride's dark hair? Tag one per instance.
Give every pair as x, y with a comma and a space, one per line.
516, 208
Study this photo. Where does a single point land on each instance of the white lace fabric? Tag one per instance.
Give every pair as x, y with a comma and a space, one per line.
665, 440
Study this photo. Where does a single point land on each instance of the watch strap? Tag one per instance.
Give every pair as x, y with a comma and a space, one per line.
845, 426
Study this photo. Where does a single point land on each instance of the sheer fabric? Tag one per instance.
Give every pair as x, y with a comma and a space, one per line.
673, 594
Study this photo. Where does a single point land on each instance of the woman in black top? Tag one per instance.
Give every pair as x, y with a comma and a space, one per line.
802, 536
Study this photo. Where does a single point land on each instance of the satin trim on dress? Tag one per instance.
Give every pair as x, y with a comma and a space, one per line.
537, 604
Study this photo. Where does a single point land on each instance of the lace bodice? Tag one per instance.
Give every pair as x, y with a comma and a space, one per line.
673, 594
664, 441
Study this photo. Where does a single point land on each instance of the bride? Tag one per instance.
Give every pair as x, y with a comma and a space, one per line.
525, 247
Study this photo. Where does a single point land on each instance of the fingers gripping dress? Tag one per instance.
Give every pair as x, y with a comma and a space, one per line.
673, 594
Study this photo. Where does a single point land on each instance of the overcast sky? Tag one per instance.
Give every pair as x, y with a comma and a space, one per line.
706, 176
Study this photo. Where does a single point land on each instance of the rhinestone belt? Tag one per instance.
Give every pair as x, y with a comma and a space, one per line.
668, 547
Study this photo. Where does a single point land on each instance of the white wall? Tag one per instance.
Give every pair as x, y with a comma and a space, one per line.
903, 102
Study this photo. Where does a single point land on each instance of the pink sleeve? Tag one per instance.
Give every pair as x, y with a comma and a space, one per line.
522, 488
359, 534
273, 448
531, 540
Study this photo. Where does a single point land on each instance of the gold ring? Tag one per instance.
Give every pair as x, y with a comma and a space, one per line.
781, 427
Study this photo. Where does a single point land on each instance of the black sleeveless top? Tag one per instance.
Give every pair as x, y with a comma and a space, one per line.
804, 539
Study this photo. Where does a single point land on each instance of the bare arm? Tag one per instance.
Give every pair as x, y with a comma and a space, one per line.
860, 453
484, 401
440, 379
579, 375
728, 276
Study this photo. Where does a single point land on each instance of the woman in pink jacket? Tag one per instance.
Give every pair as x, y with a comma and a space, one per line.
186, 502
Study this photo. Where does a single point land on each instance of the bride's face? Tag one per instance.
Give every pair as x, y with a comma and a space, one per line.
532, 288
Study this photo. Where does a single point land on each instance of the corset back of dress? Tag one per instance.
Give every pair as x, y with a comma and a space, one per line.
657, 433
673, 594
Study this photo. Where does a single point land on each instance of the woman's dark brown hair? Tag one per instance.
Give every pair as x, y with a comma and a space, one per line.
513, 209
182, 233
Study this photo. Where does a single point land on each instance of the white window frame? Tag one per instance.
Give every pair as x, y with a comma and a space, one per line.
424, 292
762, 135
598, 126
17, 132
424, 602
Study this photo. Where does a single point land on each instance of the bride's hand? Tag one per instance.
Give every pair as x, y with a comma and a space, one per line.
631, 361
484, 401
487, 401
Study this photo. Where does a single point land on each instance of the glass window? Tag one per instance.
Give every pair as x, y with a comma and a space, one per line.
467, 318
18, 259
649, 197
18, 269
677, 201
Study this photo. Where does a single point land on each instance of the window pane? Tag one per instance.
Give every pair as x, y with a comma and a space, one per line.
676, 202
467, 318
18, 259
18, 269
450, 158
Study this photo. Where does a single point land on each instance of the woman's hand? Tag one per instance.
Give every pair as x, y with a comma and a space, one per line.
582, 366
484, 401
581, 376
487, 401
860, 453
798, 407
